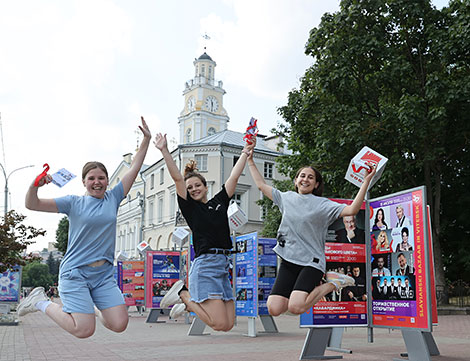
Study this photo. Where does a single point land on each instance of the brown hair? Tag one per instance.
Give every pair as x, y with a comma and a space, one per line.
93, 165
318, 178
190, 170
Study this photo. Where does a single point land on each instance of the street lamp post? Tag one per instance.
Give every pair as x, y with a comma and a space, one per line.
6, 182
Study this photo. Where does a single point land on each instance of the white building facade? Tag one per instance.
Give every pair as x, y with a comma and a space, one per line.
150, 212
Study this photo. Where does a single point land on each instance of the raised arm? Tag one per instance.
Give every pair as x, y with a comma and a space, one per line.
161, 144
355, 206
258, 178
130, 176
237, 170
34, 203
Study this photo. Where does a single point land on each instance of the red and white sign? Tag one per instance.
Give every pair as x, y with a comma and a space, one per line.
358, 167
143, 246
236, 217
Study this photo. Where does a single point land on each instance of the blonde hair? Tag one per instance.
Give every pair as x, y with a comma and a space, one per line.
379, 243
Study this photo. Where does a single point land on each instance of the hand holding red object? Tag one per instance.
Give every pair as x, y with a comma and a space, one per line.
251, 130
42, 175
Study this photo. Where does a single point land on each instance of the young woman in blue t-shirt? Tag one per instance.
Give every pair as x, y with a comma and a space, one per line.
210, 294
86, 276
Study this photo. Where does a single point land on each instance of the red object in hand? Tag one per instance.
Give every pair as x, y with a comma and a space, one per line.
42, 175
251, 131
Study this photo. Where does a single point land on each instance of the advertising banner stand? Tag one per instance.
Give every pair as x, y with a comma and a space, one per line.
162, 270
10, 291
345, 251
197, 328
267, 272
245, 277
254, 271
131, 282
315, 344
401, 277
420, 346
336, 338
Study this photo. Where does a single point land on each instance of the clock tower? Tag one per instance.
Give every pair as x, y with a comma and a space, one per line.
203, 112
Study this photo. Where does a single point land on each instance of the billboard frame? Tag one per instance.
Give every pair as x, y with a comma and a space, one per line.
415, 202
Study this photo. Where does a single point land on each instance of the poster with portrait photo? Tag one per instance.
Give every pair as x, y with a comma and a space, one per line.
380, 219
403, 263
348, 229
403, 239
356, 293
401, 215
407, 305
381, 241
381, 265
345, 247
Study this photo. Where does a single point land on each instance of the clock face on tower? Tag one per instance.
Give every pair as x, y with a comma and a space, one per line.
191, 103
211, 104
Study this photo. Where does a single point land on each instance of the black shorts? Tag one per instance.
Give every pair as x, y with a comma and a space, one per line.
292, 277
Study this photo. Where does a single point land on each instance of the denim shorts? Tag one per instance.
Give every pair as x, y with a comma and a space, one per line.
81, 288
209, 278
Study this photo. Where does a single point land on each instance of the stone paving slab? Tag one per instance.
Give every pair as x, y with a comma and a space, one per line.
38, 338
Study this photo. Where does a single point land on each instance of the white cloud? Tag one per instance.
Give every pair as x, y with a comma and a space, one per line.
262, 50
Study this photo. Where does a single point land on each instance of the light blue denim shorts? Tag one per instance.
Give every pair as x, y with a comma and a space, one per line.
209, 278
81, 288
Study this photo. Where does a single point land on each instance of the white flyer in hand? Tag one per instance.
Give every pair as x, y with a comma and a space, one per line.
62, 177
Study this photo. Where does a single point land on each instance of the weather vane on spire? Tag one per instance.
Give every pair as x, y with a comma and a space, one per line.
138, 134
205, 37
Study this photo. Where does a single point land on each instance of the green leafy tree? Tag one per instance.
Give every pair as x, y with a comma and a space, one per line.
15, 237
53, 267
393, 75
62, 235
37, 274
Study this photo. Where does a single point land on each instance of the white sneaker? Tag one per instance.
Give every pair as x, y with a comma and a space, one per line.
177, 310
29, 303
172, 297
339, 280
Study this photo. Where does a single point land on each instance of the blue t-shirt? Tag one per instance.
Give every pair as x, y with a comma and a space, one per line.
92, 227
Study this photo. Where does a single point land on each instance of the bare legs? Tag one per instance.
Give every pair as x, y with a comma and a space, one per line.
217, 314
82, 325
299, 301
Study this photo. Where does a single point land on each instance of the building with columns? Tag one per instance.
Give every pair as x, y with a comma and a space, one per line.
151, 211
129, 218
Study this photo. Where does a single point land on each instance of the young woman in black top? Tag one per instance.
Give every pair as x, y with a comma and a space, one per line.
210, 295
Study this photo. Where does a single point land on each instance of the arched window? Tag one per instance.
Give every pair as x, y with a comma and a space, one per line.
169, 243
188, 135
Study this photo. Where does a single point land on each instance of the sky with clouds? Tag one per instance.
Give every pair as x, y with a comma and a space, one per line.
75, 77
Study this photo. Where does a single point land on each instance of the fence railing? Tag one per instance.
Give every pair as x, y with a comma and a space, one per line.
459, 293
